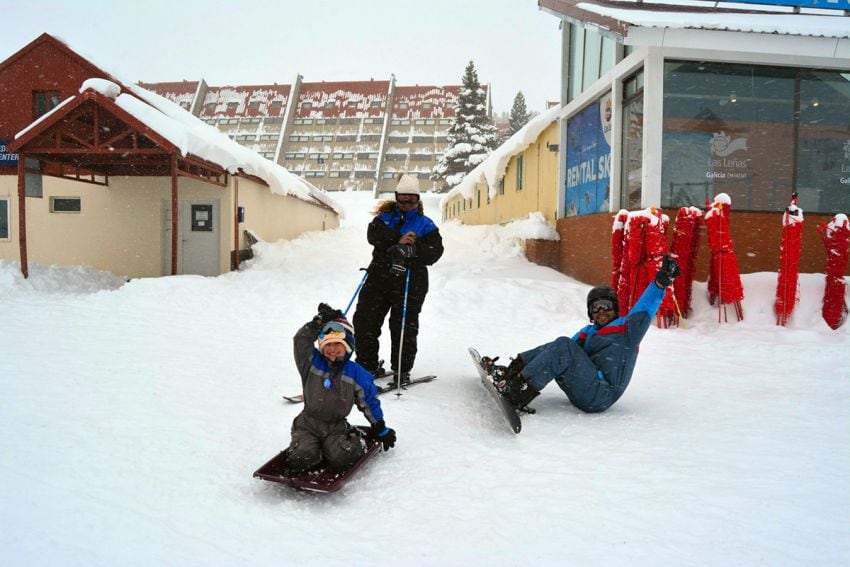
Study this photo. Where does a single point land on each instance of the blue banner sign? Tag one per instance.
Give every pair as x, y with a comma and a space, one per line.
7, 159
589, 159
822, 4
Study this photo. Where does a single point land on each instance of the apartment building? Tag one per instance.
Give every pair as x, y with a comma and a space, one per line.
340, 135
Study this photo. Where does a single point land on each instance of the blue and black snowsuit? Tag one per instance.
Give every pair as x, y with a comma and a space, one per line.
594, 367
330, 391
384, 291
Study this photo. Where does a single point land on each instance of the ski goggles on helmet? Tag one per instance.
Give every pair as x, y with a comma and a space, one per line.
601, 305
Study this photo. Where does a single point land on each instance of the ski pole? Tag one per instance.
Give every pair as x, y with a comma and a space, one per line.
401, 338
357, 291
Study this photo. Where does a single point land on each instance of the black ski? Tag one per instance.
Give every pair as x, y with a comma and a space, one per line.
299, 398
507, 409
390, 386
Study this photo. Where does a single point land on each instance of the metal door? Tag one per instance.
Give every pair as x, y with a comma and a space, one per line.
198, 246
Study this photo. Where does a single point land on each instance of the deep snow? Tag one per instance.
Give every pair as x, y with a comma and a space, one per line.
133, 414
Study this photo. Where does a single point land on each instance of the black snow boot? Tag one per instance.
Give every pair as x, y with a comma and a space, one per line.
513, 385
405, 378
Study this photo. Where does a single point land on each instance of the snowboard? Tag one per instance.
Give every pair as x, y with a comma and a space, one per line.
389, 387
508, 411
319, 479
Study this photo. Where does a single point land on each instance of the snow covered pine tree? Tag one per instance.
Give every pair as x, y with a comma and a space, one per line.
472, 136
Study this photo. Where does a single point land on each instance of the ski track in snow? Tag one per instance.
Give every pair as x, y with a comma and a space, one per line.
133, 415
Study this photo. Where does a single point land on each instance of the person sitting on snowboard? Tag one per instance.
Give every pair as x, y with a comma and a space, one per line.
594, 367
332, 384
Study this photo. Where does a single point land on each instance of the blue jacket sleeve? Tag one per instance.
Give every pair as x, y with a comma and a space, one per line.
366, 394
640, 316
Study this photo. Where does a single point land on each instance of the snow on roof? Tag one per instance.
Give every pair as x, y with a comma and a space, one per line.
44, 117
492, 169
193, 136
691, 14
425, 101
245, 100
344, 99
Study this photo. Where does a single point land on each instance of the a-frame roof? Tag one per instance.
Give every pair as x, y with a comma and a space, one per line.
48, 39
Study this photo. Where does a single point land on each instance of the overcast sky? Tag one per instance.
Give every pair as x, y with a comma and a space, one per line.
514, 45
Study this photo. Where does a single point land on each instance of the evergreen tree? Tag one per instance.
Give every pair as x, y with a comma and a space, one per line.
519, 115
472, 136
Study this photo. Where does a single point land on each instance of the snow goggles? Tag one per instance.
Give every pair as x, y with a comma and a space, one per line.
410, 198
601, 305
332, 327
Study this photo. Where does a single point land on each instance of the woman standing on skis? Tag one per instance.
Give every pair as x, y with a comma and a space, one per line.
404, 241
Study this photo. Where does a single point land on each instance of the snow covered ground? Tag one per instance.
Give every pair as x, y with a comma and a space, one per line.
133, 415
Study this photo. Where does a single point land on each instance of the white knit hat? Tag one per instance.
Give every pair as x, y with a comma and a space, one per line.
408, 185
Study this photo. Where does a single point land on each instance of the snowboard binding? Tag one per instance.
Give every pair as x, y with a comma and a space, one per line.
510, 383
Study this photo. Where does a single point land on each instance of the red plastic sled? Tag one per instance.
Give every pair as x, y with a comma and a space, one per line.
320, 479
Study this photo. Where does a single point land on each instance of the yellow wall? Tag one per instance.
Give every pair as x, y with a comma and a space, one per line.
121, 227
539, 188
273, 217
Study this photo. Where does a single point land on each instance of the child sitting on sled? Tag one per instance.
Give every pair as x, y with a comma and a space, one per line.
332, 384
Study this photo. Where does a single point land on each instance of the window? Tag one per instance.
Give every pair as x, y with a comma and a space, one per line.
65, 204
757, 133
446, 121
403, 105
388, 175
232, 105
306, 105
346, 138
519, 173
430, 122
375, 104
32, 178
43, 102
329, 104
426, 105
364, 174
4, 218
254, 104
370, 138
419, 121
632, 158
501, 186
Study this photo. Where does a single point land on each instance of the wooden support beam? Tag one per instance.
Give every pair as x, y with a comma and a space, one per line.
174, 214
22, 215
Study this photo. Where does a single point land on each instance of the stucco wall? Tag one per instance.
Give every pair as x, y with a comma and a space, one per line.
539, 191
119, 227
273, 217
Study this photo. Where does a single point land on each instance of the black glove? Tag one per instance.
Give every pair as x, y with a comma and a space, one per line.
327, 313
668, 272
384, 434
404, 250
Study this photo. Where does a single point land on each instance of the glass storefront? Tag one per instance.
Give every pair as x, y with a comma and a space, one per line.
757, 133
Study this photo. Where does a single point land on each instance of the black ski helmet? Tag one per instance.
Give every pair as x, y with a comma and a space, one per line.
602, 292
